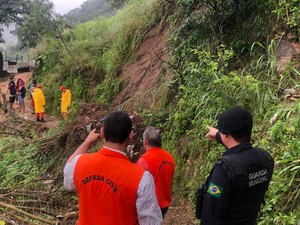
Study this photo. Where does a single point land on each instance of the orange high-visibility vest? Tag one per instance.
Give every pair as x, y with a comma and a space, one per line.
107, 184
161, 165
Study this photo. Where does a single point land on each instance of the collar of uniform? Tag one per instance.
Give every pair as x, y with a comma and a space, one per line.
238, 148
155, 148
112, 152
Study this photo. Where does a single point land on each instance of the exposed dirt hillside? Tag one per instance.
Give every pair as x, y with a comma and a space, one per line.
145, 76
145, 79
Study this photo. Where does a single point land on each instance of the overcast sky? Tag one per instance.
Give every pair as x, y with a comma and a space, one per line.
63, 6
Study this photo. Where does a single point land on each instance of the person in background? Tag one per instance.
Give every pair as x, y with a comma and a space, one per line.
111, 190
236, 186
22, 94
31, 89
20, 82
66, 97
12, 92
160, 164
39, 103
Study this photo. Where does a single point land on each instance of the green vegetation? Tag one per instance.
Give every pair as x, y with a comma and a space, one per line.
221, 63
34, 19
36, 23
223, 54
288, 12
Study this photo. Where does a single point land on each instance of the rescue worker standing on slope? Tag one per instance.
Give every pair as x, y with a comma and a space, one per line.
111, 190
39, 103
160, 164
65, 101
237, 184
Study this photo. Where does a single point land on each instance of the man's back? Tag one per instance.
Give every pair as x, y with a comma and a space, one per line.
107, 185
161, 165
237, 187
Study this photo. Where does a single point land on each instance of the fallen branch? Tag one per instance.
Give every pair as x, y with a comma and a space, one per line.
15, 209
37, 209
23, 221
18, 132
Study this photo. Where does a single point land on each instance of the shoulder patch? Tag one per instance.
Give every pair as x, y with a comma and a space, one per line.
215, 190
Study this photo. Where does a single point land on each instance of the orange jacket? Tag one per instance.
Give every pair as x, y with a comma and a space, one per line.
107, 184
161, 165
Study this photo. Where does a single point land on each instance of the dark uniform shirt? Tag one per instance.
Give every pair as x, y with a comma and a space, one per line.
12, 88
23, 92
234, 196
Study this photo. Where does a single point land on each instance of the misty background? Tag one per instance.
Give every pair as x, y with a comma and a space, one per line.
73, 11
61, 7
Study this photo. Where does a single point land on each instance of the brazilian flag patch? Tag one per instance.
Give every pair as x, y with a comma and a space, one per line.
215, 190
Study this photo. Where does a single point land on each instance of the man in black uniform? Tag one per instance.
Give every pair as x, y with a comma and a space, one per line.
236, 186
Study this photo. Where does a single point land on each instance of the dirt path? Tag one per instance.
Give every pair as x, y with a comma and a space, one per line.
180, 213
51, 121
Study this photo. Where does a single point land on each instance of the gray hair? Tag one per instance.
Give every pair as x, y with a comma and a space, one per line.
153, 136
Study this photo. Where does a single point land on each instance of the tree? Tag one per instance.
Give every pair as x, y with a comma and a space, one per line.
1, 63
11, 11
40, 21
34, 19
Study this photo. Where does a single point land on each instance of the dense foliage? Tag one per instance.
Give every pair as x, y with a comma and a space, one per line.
90, 9
223, 57
34, 19
10, 12
117, 3
37, 23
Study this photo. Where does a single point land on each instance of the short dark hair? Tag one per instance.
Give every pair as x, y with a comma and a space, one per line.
117, 127
153, 136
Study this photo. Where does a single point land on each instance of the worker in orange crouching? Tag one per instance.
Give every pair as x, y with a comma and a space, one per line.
39, 103
111, 190
160, 164
65, 101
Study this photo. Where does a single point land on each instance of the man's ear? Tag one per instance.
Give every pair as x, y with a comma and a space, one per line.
145, 143
102, 133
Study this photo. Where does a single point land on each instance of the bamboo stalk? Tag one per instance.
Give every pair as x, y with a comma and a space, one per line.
15, 209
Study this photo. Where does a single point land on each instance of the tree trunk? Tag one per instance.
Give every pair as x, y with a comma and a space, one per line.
1, 62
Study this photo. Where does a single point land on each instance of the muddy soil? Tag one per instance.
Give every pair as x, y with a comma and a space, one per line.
51, 121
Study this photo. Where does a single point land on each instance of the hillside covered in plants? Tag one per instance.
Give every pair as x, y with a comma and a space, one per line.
177, 64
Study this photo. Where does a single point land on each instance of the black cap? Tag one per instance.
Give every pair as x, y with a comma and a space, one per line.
235, 120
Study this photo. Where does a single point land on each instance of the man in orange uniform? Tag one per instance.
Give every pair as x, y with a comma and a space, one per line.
160, 164
65, 101
111, 189
39, 103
